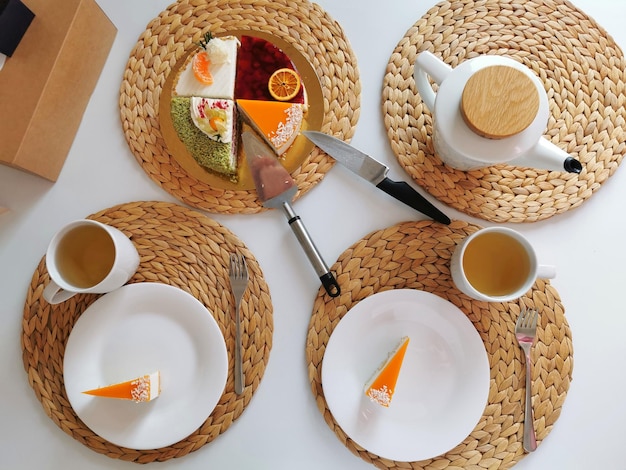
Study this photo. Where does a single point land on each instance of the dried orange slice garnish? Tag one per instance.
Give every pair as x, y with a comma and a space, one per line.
200, 66
284, 84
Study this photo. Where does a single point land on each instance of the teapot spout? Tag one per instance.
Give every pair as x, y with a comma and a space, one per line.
572, 165
547, 156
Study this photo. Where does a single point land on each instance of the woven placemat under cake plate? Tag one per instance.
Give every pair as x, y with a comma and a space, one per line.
179, 247
170, 36
416, 255
583, 72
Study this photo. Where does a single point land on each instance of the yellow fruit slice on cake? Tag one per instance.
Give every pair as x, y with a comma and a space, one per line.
382, 385
140, 389
279, 122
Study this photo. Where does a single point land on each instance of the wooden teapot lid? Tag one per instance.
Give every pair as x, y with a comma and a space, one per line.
499, 101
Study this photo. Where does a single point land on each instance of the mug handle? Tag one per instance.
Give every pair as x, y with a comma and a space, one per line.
427, 64
546, 271
55, 294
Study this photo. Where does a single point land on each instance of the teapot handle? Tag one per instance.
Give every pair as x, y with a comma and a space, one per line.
427, 64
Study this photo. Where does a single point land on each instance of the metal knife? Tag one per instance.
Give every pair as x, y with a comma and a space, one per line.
374, 172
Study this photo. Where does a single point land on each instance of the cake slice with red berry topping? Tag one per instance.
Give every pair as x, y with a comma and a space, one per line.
140, 389
257, 61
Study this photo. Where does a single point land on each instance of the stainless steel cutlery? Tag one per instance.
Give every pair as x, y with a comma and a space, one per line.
238, 275
525, 332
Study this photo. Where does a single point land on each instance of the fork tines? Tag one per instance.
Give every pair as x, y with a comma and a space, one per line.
238, 265
528, 318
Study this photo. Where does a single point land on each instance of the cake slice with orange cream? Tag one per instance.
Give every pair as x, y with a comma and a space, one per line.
381, 387
278, 122
140, 389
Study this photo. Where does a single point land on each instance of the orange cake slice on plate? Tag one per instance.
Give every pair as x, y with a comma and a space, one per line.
381, 387
278, 122
140, 389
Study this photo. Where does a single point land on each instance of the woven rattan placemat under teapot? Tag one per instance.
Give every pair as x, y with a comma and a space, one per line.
582, 71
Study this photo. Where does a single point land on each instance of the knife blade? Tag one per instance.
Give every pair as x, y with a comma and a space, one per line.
375, 172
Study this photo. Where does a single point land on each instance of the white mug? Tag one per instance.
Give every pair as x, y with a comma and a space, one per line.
87, 256
496, 264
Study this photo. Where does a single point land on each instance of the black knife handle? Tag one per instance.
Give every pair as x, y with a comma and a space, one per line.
403, 192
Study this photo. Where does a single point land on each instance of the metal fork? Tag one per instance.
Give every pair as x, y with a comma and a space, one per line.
525, 332
238, 275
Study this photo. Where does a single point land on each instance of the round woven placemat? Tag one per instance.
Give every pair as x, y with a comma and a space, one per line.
416, 255
179, 247
583, 72
305, 25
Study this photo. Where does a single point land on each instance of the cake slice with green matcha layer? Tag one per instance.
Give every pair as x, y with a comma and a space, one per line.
208, 128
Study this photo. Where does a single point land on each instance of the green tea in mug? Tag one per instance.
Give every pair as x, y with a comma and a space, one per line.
85, 256
496, 264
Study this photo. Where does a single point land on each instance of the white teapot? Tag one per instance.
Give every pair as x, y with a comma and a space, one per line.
489, 110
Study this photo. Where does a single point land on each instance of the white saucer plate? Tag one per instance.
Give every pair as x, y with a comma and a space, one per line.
135, 330
443, 385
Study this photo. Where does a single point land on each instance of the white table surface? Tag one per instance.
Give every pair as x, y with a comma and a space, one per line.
282, 428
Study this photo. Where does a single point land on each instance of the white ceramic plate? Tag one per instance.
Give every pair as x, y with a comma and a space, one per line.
135, 330
443, 386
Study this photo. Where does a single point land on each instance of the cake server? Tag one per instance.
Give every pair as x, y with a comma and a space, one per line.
276, 189
374, 172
